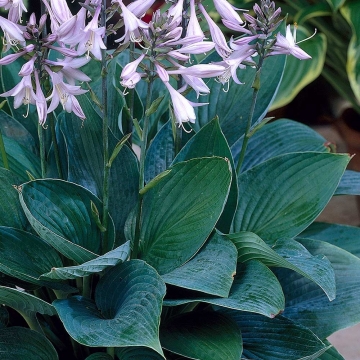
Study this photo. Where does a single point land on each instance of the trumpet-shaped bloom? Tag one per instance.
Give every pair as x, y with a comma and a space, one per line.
13, 33
91, 41
15, 7
129, 76
140, 7
193, 28
287, 45
227, 11
216, 34
41, 106
132, 25
23, 93
64, 94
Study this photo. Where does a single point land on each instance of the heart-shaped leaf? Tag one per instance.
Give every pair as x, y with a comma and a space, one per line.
61, 214
112, 258
282, 196
19, 343
210, 271
202, 335
181, 210
128, 301
288, 254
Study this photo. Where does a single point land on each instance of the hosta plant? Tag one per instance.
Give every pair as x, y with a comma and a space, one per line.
149, 208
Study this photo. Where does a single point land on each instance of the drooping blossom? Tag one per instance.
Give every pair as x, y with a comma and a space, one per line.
140, 7
13, 33
287, 45
216, 35
8, 59
129, 76
227, 11
41, 105
23, 93
15, 7
91, 39
175, 13
132, 25
193, 27
64, 94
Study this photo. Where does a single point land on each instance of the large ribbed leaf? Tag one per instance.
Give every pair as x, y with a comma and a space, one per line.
126, 311
137, 353
233, 107
299, 73
24, 303
282, 196
161, 152
61, 214
344, 236
307, 304
26, 256
210, 271
21, 343
349, 184
288, 254
210, 141
181, 210
112, 258
85, 151
11, 213
202, 336
276, 339
255, 289
282, 136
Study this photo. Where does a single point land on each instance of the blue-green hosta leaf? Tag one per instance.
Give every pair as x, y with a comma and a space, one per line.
11, 213
203, 336
112, 258
26, 256
137, 353
22, 343
282, 196
255, 289
24, 303
349, 184
210, 141
280, 137
276, 339
61, 214
84, 145
161, 152
181, 210
21, 160
210, 271
126, 311
331, 354
99, 356
233, 107
288, 254
350, 11
343, 236
306, 304
299, 73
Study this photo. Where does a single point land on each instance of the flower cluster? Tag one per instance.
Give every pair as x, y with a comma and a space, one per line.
167, 47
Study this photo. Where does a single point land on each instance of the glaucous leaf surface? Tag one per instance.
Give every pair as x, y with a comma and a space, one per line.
210, 271
111, 258
61, 214
288, 254
280, 137
210, 141
19, 343
282, 196
255, 289
311, 307
203, 336
83, 142
128, 301
349, 184
276, 339
330, 354
11, 213
181, 210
